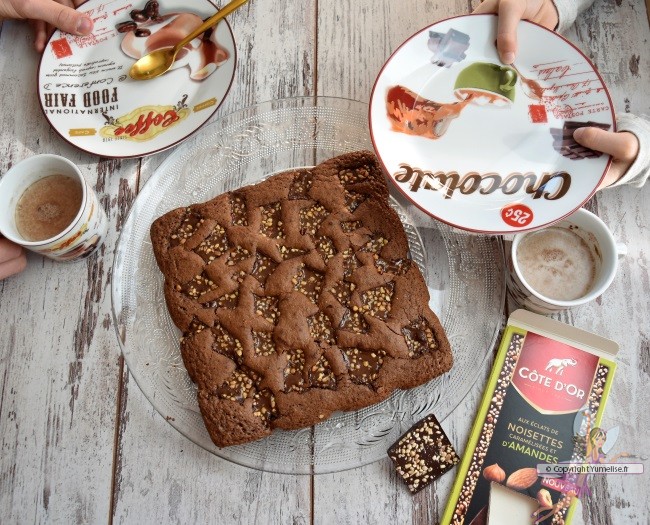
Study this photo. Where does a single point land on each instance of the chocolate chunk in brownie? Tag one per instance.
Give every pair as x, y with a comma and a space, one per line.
423, 454
296, 298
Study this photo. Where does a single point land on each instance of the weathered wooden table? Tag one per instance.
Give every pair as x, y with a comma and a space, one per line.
79, 441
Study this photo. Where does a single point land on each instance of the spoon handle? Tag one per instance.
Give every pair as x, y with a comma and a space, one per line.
223, 12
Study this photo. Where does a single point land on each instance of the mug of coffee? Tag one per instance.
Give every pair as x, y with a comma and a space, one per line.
562, 266
483, 79
47, 206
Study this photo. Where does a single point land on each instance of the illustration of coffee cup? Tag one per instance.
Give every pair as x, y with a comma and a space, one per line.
486, 83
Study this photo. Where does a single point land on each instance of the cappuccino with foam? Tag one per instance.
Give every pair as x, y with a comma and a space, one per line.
557, 263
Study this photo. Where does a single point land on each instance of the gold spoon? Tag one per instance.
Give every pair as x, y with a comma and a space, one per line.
535, 90
159, 61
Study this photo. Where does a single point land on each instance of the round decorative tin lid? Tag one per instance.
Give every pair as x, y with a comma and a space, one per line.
90, 100
483, 146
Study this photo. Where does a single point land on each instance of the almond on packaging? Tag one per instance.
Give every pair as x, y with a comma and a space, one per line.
522, 478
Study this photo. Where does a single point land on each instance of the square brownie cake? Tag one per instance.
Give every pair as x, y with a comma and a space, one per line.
296, 298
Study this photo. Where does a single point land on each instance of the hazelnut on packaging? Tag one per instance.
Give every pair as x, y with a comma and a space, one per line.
494, 473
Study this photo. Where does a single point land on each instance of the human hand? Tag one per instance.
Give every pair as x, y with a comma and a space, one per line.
47, 14
43, 29
12, 258
622, 146
542, 12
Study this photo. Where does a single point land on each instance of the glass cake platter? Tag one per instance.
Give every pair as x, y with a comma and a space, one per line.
464, 273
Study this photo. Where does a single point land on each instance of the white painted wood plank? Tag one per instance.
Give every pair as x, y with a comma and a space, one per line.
616, 36
58, 358
356, 38
622, 314
161, 477
364, 34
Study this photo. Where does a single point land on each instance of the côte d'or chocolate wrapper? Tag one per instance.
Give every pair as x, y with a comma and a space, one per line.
543, 405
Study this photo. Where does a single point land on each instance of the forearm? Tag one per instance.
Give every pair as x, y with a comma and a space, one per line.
568, 10
638, 172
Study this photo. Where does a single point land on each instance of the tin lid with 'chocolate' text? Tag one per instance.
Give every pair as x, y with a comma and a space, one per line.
484, 146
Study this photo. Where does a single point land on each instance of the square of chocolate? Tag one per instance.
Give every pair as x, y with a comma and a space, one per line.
565, 144
423, 454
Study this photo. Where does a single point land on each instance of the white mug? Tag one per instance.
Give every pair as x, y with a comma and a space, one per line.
81, 237
605, 252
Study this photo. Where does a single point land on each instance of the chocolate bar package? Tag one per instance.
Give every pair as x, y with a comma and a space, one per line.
543, 404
